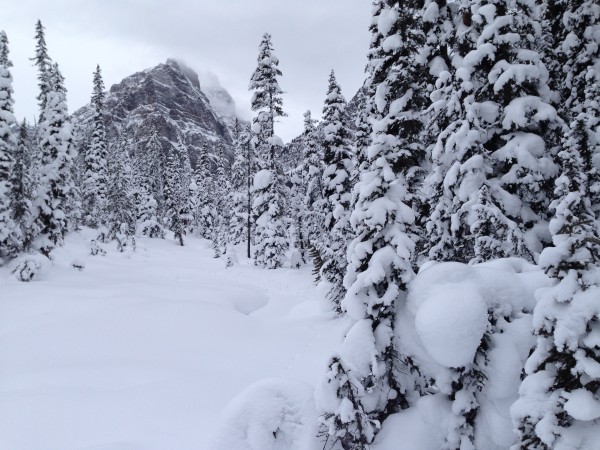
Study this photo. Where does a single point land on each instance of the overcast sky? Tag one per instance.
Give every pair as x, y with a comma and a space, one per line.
310, 37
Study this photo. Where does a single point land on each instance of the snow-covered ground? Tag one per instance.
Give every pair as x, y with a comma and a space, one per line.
145, 350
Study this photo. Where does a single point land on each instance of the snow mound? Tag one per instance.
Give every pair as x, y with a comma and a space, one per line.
272, 414
421, 427
246, 299
451, 324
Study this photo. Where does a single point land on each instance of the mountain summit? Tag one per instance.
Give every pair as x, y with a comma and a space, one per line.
170, 98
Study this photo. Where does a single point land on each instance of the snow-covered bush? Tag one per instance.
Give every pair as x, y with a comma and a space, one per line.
469, 330
30, 267
272, 414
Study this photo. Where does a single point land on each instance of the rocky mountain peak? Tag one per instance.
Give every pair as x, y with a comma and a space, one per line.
168, 97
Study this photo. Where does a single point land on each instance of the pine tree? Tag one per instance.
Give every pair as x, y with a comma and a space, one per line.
522, 133
578, 53
153, 166
55, 187
312, 170
268, 204
222, 190
96, 156
559, 396
337, 192
205, 215
175, 202
21, 196
9, 234
240, 185
147, 222
43, 63
120, 207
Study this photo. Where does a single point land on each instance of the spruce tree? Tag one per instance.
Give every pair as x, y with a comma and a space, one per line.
223, 207
55, 188
96, 156
312, 173
153, 166
43, 62
559, 397
337, 191
268, 205
120, 207
522, 134
240, 185
175, 202
9, 234
21, 196
147, 221
205, 215
578, 54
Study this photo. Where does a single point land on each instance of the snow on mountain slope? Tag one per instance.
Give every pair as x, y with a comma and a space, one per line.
144, 350
170, 98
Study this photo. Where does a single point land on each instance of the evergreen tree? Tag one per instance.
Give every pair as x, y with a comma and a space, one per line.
312, 174
578, 55
559, 397
96, 156
153, 167
21, 196
43, 62
55, 188
175, 200
120, 207
268, 205
337, 192
147, 222
223, 207
240, 185
9, 234
522, 133
205, 215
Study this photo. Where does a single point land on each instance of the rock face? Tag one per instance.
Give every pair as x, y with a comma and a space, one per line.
169, 98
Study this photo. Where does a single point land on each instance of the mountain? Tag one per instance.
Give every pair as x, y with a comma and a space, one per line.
170, 98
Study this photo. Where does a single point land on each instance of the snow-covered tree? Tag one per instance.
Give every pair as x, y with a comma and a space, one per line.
21, 196
312, 173
337, 192
511, 101
558, 405
380, 255
153, 166
120, 207
55, 188
205, 214
95, 177
223, 206
175, 196
147, 221
240, 195
43, 63
578, 54
268, 205
9, 234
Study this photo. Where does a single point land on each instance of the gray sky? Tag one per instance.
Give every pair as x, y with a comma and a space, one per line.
310, 37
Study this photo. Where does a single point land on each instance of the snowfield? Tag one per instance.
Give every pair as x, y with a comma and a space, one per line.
145, 350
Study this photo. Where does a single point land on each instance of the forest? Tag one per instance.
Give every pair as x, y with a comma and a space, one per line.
446, 217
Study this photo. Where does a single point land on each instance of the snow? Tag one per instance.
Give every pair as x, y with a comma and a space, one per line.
451, 324
581, 404
272, 414
145, 350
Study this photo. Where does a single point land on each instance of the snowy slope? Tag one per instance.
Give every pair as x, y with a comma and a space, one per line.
144, 351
